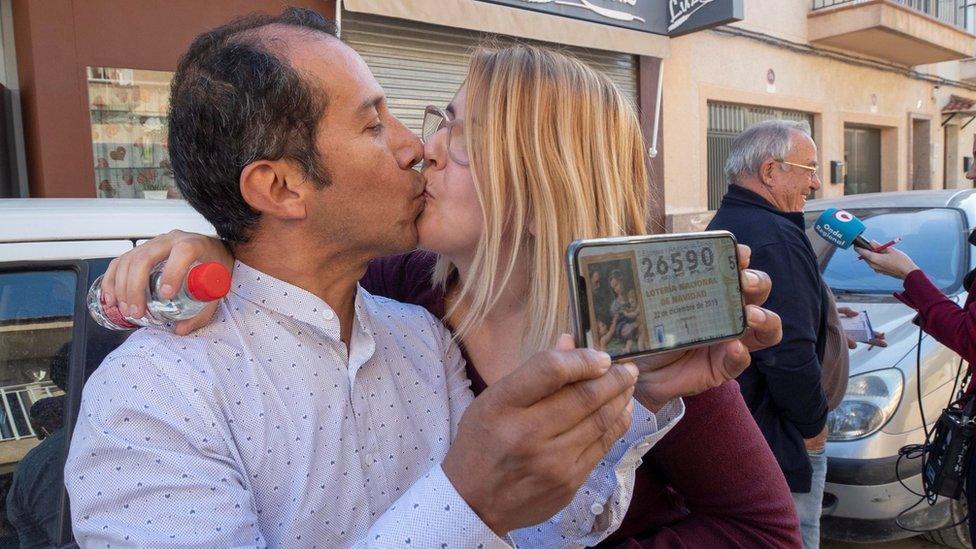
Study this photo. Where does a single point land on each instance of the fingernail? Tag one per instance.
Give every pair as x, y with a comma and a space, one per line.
751, 277
133, 310
755, 315
166, 289
122, 307
631, 369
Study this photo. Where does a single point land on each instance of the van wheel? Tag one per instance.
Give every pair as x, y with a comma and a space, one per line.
953, 536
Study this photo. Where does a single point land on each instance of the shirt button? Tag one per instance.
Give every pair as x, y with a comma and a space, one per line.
640, 462
596, 509
643, 446
328, 315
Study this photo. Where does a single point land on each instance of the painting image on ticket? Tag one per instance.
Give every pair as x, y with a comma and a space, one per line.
642, 295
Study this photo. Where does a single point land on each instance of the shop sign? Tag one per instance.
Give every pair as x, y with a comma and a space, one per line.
666, 17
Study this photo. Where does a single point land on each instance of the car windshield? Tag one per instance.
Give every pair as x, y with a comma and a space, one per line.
935, 238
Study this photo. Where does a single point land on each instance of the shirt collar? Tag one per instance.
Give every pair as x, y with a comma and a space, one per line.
280, 297
740, 195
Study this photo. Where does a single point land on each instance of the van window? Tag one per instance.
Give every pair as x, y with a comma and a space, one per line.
36, 320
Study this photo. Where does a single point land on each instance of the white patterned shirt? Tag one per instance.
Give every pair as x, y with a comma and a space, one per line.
262, 430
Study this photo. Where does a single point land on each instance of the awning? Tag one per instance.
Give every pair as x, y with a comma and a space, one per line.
498, 19
959, 106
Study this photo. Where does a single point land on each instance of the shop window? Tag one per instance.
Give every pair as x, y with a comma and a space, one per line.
129, 118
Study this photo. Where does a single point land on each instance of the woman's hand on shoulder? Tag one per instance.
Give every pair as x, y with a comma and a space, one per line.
127, 278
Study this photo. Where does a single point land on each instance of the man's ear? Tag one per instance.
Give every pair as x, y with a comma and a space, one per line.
766, 172
275, 188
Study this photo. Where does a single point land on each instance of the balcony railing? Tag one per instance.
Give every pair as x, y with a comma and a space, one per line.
958, 13
15, 401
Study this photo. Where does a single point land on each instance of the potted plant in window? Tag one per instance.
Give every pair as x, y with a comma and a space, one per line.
153, 186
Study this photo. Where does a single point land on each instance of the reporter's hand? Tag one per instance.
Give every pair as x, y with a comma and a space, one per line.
530, 440
127, 277
684, 373
891, 262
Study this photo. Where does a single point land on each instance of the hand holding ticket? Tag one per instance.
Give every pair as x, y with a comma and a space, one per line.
636, 296
858, 327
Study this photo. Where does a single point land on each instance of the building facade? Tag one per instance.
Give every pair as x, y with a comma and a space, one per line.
91, 77
885, 87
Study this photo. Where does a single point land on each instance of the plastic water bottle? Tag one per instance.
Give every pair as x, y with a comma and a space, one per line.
204, 283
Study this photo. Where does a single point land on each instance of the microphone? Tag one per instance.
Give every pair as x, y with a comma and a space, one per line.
842, 229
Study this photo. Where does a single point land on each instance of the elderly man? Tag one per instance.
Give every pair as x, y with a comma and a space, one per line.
773, 167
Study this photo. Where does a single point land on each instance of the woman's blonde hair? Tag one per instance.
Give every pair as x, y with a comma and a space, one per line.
556, 155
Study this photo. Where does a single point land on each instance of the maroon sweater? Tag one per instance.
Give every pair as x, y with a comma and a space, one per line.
942, 318
710, 482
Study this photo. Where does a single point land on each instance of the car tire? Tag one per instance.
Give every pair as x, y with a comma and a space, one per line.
956, 536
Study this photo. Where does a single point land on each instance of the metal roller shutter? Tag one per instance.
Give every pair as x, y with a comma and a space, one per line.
725, 122
420, 65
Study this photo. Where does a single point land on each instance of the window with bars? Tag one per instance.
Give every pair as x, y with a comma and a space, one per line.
725, 122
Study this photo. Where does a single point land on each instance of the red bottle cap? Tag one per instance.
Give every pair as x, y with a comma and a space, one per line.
208, 281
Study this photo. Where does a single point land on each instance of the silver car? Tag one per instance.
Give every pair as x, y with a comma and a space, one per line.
864, 500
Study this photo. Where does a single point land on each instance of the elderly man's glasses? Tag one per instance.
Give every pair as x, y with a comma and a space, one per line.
435, 120
811, 170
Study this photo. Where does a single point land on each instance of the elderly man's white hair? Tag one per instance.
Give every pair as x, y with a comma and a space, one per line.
760, 142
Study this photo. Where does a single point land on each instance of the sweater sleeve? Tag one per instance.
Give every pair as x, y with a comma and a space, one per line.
939, 316
717, 460
792, 370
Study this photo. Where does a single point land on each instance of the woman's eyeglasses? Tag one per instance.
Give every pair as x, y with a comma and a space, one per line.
435, 120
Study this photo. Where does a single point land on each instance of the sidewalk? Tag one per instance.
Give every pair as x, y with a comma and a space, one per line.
910, 543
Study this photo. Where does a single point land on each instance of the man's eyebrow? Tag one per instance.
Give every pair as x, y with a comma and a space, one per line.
370, 104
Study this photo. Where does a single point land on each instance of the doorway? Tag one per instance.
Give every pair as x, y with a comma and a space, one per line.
862, 154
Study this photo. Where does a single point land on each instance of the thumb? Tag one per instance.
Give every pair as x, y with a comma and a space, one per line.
203, 318
565, 343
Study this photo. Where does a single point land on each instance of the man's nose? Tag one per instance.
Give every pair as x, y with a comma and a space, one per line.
409, 149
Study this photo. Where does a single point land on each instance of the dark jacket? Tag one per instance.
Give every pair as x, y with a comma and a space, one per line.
783, 386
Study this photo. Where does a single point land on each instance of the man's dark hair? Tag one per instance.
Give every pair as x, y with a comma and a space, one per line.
236, 99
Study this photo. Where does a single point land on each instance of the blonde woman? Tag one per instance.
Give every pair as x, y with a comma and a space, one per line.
536, 150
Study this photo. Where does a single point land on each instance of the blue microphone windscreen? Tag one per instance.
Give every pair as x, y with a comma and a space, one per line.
839, 227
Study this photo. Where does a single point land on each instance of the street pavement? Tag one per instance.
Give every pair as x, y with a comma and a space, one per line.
910, 543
